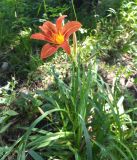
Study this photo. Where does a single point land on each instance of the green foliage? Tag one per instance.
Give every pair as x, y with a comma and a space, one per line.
73, 118
4, 120
83, 117
7, 93
115, 33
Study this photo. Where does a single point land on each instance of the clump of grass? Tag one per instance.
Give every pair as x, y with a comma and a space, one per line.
83, 118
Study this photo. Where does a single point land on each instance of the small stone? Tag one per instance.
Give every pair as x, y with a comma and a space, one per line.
4, 66
130, 83
110, 77
122, 81
24, 90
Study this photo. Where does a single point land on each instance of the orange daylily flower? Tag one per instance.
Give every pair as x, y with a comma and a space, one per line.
57, 35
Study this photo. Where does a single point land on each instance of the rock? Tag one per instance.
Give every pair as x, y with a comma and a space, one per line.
130, 83
122, 82
4, 66
110, 77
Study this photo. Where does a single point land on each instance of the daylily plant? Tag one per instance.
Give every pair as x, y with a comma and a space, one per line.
57, 35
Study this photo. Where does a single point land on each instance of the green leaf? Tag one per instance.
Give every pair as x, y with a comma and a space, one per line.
87, 140
21, 154
5, 127
35, 155
2, 119
11, 113
3, 100
48, 139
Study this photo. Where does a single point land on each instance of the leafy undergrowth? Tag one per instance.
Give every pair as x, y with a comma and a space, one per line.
69, 108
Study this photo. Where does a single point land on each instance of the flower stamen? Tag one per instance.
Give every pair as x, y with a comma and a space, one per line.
59, 38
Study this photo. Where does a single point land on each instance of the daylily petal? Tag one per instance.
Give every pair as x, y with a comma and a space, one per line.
59, 21
40, 36
70, 27
45, 31
50, 27
48, 50
66, 47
